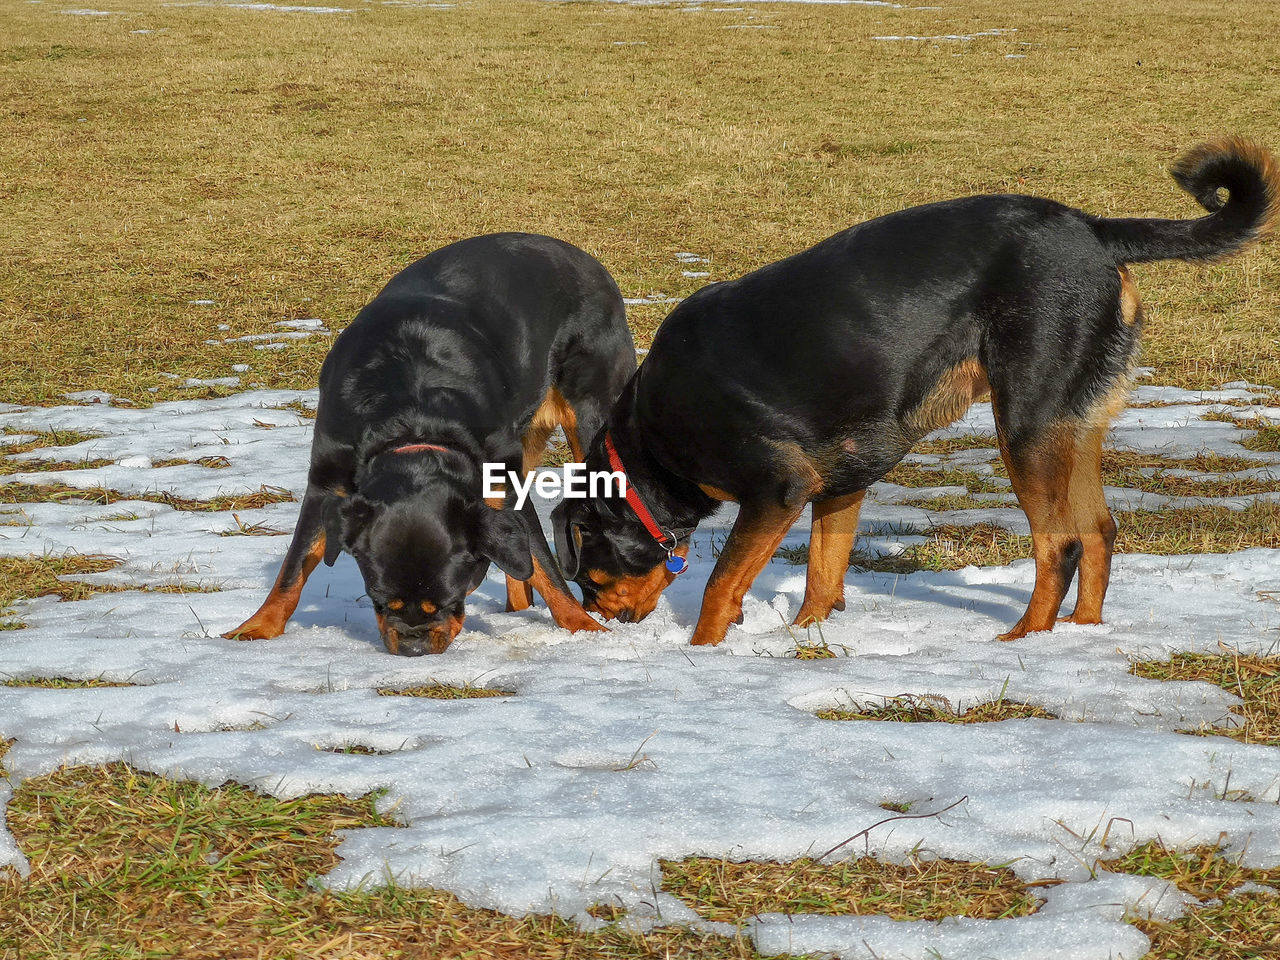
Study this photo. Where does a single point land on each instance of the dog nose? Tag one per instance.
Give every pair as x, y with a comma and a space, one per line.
412, 645
627, 615
415, 641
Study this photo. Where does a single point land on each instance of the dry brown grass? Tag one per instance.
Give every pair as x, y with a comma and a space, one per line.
960, 501
1163, 532
931, 708
445, 691
970, 441
23, 578
295, 183
58, 492
1149, 473
1120, 468
63, 683
213, 463
243, 529
916, 890
129, 865
1266, 436
1229, 926
42, 439
10, 465
916, 476
951, 547
1255, 679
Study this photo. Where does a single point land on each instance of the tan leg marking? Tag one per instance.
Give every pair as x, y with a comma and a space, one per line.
835, 524
1042, 480
271, 617
753, 541
519, 594
565, 609
1094, 525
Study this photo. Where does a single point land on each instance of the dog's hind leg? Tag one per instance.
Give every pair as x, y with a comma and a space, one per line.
305, 551
835, 523
1094, 525
1041, 473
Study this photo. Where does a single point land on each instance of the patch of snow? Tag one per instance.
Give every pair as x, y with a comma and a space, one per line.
534, 802
89, 396
955, 36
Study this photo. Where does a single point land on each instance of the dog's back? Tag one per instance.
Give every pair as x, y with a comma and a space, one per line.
477, 332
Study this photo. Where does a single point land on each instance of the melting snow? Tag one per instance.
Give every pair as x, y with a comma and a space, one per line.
536, 801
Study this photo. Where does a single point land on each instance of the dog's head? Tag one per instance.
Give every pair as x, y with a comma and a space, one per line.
606, 550
421, 555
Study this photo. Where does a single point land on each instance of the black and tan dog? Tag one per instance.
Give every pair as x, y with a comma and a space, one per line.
472, 354
807, 380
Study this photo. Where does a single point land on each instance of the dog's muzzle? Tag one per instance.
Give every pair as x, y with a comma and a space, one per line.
406, 641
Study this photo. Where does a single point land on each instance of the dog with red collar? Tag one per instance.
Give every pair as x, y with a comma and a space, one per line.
807, 380
472, 355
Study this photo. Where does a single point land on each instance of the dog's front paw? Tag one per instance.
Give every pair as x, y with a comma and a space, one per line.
264, 625
584, 622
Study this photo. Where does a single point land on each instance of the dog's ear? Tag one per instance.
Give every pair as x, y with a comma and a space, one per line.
568, 537
353, 516
333, 543
503, 538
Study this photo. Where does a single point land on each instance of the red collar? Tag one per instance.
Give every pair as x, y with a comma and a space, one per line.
668, 539
419, 448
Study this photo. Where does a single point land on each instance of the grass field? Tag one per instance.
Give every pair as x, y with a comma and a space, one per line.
284, 165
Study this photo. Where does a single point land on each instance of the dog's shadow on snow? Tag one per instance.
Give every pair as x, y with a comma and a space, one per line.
1000, 602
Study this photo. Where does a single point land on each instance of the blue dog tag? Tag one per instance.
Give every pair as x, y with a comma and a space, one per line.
676, 564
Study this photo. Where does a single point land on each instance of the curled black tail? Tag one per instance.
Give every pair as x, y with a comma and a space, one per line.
1250, 176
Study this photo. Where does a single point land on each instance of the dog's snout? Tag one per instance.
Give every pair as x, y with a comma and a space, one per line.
413, 645
417, 639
